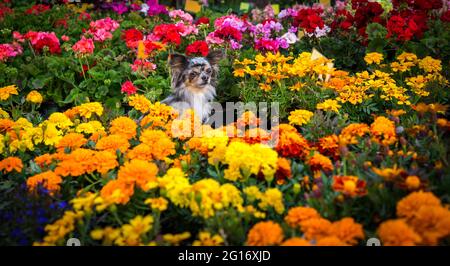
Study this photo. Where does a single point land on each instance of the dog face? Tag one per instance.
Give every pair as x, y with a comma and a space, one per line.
196, 73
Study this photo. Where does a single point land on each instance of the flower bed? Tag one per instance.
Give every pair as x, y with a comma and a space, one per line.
88, 151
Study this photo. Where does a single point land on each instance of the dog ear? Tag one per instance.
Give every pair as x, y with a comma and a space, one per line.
214, 57
177, 62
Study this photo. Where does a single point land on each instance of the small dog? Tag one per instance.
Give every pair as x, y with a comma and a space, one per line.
193, 83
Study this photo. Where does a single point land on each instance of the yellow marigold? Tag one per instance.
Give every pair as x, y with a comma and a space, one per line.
389, 174
175, 239
161, 144
404, 57
296, 242
159, 204
123, 126
9, 164
319, 162
138, 171
88, 109
265, 234
265, 87
90, 127
397, 233
429, 64
3, 113
139, 102
71, 141
300, 117
34, 97
132, 232
373, 58
315, 228
113, 143
272, 197
48, 180
60, 120
7, 91
329, 105
51, 134
347, 230
297, 215
383, 131
409, 205
206, 239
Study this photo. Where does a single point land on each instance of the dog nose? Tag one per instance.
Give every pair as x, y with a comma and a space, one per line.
204, 78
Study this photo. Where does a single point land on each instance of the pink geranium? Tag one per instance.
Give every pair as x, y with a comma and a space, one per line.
84, 46
8, 50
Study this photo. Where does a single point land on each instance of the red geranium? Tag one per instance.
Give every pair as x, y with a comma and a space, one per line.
167, 33
309, 19
37, 9
403, 28
132, 37
39, 40
128, 88
228, 32
202, 20
197, 47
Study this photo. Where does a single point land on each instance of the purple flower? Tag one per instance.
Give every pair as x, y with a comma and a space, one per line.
119, 8
154, 8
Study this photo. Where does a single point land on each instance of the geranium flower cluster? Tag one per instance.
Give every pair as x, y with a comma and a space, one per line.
102, 29
228, 29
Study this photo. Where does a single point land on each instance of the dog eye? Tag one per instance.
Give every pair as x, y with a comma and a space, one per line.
193, 74
208, 70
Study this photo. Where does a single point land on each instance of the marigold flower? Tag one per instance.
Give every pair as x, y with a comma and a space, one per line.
159, 204
49, 180
34, 97
266, 233
70, 141
9, 164
429, 64
123, 126
297, 215
300, 117
432, 223
87, 109
409, 205
315, 228
161, 145
117, 191
412, 182
319, 162
373, 58
206, 239
141, 172
330, 241
383, 131
113, 143
349, 185
296, 242
347, 230
329, 105
139, 102
289, 143
7, 91
397, 233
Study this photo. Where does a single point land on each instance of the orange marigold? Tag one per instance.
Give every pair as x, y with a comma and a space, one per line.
48, 180
296, 242
409, 205
116, 191
330, 241
71, 141
288, 142
9, 164
113, 143
104, 161
283, 170
397, 233
383, 131
329, 145
315, 228
44, 160
265, 234
347, 230
162, 146
319, 162
141, 152
297, 215
139, 171
432, 223
123, 126
350, 134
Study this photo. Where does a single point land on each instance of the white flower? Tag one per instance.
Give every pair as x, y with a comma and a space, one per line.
290, 37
